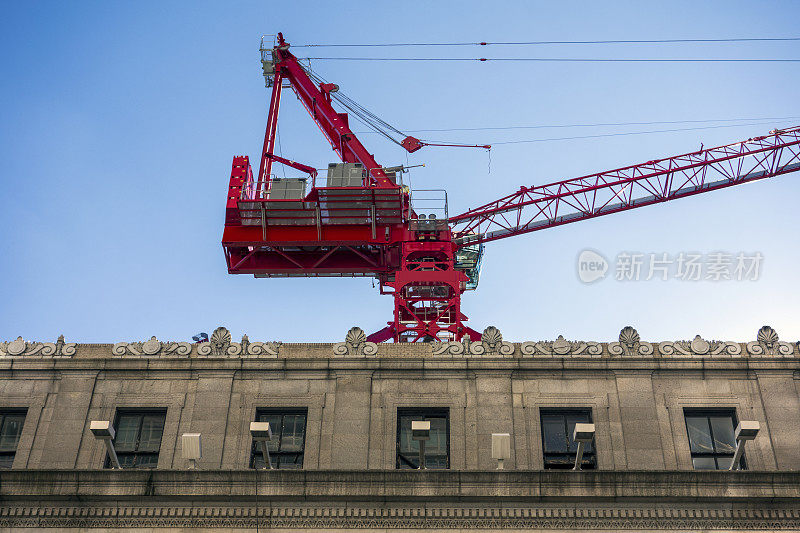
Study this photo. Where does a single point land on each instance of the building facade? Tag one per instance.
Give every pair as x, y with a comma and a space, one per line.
664, 413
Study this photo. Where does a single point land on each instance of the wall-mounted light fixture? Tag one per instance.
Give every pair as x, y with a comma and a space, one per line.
262, 433
745, 431
103, 430
421, 432
583, 434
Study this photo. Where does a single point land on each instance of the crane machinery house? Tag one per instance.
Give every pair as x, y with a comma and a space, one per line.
446, 427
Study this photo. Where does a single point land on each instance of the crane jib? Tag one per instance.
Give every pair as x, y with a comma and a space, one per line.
537, 208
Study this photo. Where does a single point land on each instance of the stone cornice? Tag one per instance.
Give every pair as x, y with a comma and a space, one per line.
33, 368
433, 500
381, 485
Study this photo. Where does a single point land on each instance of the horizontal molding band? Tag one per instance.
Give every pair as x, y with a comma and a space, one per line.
269, 516
400, 485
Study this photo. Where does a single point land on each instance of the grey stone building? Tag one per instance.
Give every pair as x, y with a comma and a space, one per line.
664, 415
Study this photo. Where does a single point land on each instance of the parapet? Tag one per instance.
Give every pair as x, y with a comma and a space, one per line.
355, 345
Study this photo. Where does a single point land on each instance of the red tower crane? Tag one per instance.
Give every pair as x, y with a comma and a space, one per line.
363, 222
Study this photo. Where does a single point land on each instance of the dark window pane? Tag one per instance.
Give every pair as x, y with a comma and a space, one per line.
407, 444
573, 446
704, 463
723, 431
152, 429
127, 431
699, 434
138, 438
126, 460
554, 433
558, 427
292, 461
258, 457
288, 440
147, 460
578, 418
293, 433
436, 447
408, 462
6, 461
437, 444
711, 438
275, 425
723, 463
10, 432
436, 461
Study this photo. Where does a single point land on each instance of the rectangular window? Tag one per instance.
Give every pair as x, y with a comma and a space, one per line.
558, 426
138, 437
711, 438
437, 447
288, 444
11, 422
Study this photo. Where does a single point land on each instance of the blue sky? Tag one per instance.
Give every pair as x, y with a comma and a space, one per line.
119, 121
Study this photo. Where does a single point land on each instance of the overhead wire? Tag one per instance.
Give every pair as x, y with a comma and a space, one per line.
591, 125
364, 115
566, 59
380, 126
536, 43
623, 134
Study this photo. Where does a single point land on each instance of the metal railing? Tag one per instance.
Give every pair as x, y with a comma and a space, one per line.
432, 203
259, 189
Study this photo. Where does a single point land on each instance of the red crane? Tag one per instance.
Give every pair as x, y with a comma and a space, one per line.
362, 222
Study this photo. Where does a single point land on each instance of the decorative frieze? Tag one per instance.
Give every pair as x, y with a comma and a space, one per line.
20, 347
491, 344
152, 347
699, 346
629, 344
400, 516
355, 343
449, 348
220, 345
768, 344
561, 347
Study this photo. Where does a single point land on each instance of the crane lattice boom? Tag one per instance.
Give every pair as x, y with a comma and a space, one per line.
562, 202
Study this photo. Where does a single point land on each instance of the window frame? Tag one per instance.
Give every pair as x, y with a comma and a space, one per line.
276, 456
6, 412
141, 413
550, 460
707, 413
422, 413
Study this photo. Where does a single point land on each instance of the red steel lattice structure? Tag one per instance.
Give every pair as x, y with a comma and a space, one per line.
371, 229
544, 206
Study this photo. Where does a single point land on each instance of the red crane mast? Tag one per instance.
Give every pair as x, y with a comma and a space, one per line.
362, 222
